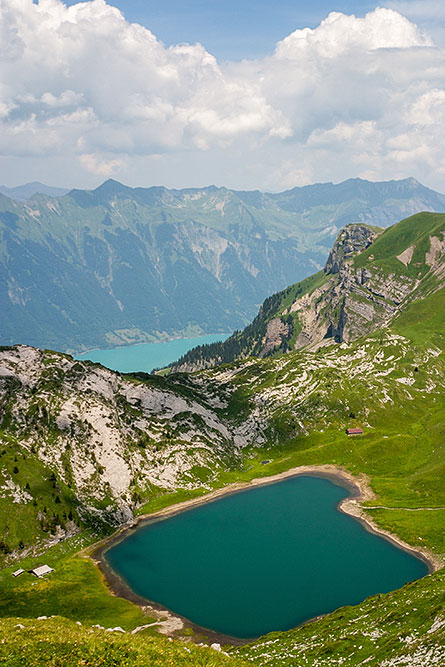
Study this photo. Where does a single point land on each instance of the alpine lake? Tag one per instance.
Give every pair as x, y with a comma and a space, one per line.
262, 559
147, 356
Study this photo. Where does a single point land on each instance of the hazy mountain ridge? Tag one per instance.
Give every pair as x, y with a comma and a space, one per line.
28, 190
119, 265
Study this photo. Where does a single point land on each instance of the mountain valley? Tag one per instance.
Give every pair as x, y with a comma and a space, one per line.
120, 265
85, 450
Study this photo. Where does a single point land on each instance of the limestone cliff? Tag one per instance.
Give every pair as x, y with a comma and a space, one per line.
109, 440
361, 295
370, 276
350, 241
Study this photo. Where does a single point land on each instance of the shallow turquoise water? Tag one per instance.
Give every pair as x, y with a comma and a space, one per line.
146, 356
265, 559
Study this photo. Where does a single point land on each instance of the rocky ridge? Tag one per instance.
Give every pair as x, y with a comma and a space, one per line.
366, 282
351, 302
107, 441
360, 298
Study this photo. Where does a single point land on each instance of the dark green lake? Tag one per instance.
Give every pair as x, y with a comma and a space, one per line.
264, 559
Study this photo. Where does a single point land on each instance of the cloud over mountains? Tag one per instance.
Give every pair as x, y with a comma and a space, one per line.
82, 86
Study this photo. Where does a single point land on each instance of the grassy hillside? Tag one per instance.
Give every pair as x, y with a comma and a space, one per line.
414, 232
424, 320
362, 287
55, 642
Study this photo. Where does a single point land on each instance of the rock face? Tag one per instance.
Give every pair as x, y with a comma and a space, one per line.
110, 437
350, 241
370, 275
277, 331
353, 301
356, 299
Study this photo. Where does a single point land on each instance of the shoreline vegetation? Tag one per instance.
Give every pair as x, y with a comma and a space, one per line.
359, 489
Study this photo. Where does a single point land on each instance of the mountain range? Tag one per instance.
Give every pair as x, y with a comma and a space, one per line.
29, 190
119, 265
84, 449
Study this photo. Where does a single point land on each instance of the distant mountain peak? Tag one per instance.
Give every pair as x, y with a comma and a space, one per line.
113, 185
29, 190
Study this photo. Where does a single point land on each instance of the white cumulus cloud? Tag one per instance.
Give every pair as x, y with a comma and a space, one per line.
86, 65
338, 33
81, 86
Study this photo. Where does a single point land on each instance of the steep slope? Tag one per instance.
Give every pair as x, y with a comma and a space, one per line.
56, 641
371, 276
86, 445
118, 265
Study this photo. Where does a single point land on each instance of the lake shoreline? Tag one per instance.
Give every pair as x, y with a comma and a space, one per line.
169, 339
359, 491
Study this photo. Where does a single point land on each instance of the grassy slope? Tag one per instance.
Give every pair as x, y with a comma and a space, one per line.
55, 642
424, 321
413, 231
403, 451
74, 590
53, 502
406, 627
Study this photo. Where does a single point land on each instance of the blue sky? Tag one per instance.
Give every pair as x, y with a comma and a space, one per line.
230, 29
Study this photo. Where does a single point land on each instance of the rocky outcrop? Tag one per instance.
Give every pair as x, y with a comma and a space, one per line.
356, 300
108, 437
331, 311
350, 241
277, 332
436, 255
351, 304
406, 256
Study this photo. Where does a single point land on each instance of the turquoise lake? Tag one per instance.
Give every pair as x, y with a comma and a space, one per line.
264, 559
146, 356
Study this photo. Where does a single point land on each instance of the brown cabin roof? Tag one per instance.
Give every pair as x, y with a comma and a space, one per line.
354, 431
